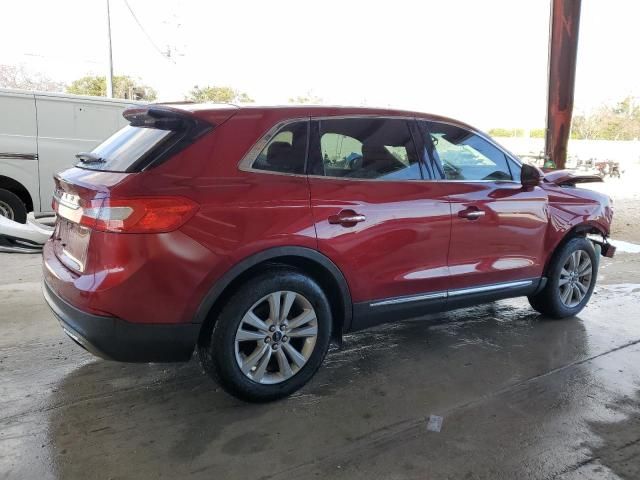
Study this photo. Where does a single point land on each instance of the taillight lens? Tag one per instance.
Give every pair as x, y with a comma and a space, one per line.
131, 215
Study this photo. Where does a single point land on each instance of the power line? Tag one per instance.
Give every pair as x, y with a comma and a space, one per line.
146, 34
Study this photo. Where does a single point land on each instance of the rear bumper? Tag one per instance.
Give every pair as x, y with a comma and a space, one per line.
115, 339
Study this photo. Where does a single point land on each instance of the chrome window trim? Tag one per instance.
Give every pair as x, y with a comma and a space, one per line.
272, 172
476, 181
452, 293
367, 116
246, 163
347, 179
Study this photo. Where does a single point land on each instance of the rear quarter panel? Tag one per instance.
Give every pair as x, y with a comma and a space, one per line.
240, 213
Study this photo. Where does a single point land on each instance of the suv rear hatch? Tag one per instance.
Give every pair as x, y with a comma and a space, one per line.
86, 199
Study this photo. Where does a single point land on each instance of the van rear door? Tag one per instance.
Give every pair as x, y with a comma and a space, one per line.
67, 126
18, 145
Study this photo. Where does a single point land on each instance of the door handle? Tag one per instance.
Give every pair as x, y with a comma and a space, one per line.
347, 218
471, 213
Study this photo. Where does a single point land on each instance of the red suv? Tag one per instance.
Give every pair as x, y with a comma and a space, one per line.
260, 234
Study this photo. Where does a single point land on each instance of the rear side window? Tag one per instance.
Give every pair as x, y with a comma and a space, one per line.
286, 151
465, 155
366, 148
124, 148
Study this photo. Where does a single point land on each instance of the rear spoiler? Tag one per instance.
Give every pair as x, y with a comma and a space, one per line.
164, 118
568, 178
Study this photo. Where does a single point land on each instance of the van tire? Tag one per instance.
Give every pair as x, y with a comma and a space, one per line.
12, 207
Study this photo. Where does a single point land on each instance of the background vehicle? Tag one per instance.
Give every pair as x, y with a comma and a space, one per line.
608, 167
235, 229
40, 133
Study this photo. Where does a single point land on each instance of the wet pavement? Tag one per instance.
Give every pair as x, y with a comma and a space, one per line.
521, 397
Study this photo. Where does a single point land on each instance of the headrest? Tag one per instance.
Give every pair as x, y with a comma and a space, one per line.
279, 154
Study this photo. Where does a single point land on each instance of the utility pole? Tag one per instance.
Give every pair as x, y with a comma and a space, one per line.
110, 72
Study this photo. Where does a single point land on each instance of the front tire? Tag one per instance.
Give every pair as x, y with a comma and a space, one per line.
571, 278
270, 338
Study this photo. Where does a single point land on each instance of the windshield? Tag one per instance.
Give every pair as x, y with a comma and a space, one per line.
125, 147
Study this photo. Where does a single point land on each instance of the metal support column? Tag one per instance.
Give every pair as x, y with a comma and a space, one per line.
563, 49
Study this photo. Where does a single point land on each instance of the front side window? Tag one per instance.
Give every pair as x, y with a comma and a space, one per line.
465, 155
285, 152
366, 148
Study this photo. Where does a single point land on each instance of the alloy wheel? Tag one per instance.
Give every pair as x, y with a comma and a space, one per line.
576, 276
276, 337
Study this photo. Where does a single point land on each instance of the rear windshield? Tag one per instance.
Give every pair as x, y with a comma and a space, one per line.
123, 149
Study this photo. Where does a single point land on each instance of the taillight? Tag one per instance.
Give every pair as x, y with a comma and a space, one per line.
131, 215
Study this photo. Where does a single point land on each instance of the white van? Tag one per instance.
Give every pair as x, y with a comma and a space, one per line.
40, 133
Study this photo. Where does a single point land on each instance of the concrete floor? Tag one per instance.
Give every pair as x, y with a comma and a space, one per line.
521, 396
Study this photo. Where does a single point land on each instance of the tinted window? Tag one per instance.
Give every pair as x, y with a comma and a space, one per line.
366, 148
286, 151
125, 147
465, 155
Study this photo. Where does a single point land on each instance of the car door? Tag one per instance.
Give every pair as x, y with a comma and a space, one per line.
498, 227
384, 226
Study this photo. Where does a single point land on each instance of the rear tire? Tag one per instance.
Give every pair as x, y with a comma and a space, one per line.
252, 356
571, 278
12, 207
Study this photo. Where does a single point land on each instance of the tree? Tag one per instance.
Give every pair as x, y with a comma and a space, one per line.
308, 98
537, 132
218, 95
123, 87
506, 132
584, 127
620, 121
609, 122
16, 76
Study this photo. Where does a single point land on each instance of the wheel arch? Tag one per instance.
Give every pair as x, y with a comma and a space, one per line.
312, 262
18, 189
579, 230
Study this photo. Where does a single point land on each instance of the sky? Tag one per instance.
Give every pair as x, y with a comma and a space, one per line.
484, 62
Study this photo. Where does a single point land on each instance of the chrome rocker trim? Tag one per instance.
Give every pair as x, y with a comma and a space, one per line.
453, 293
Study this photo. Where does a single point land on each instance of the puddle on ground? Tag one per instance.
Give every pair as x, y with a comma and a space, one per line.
620, 288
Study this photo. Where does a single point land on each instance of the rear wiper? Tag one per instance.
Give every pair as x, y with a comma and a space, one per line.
88, 157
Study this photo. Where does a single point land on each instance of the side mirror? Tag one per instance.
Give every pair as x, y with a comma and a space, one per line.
530, 176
